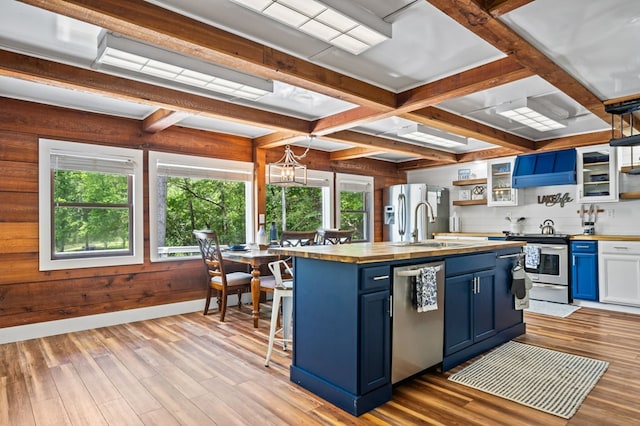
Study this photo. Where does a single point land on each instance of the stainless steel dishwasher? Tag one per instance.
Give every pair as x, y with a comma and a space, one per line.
417, 337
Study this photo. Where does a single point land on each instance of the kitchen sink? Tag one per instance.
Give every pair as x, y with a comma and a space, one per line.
431, 244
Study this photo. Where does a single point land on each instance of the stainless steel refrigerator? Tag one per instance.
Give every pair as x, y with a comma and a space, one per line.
399, 216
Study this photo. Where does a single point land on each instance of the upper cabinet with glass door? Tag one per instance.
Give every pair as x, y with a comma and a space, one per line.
597, 174
499, 183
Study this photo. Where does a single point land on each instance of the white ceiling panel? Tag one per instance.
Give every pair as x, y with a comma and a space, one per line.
596, 41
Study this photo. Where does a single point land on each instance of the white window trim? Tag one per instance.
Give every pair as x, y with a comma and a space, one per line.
46, 263
216, 165
368, 181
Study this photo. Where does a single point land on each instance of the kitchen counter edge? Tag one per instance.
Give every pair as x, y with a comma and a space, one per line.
385, 251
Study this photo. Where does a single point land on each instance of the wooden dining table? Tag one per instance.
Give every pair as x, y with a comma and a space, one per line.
254, 258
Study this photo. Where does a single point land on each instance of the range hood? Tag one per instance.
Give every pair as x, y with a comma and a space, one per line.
545, 169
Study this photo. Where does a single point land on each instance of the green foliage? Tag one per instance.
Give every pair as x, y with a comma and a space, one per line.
302, 204
204, 204
353, 213
90, 211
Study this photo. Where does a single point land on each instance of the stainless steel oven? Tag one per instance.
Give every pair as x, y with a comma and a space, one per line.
547, 264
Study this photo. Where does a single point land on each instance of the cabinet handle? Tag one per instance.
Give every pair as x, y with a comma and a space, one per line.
582, 247
391, 306
621, 248
381, 277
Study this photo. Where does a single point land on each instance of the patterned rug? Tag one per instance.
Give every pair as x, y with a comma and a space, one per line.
547, 380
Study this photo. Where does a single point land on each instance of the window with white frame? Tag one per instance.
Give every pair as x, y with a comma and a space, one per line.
354, 198
301, 208
91, 211
188, 193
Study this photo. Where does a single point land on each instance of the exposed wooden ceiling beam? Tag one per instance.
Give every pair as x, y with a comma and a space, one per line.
161, 119
480, 78
276, 139
500, 7
56, 74
353, 153
452, 123
574, 141
144, 21
472, 15
486, 154
390, 145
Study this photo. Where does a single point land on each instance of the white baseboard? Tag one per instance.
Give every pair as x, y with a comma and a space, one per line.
607, 306
52, 328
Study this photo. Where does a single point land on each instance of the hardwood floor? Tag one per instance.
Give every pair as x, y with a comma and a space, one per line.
194, 370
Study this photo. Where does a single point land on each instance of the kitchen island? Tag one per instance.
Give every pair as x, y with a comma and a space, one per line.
342, 332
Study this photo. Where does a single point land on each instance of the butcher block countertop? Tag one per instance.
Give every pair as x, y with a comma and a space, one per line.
606, 237
386, 251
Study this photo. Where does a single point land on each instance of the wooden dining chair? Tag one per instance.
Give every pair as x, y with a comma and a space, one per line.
224, 283
334, 236
297, 238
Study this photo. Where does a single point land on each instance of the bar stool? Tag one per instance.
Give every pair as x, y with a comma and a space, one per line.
283, 291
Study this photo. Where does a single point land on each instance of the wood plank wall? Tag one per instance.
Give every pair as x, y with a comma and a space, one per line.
29, 296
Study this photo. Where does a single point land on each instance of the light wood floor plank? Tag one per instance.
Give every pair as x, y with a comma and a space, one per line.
193, 370
80, 407
128, 385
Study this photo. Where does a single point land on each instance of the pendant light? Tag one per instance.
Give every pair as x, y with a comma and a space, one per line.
288, 171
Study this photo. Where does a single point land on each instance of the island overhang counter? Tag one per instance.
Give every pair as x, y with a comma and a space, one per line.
342, 319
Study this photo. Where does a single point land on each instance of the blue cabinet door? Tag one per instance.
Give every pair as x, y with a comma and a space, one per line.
484, 317
506, 315
458, 313
375, 354
584, 270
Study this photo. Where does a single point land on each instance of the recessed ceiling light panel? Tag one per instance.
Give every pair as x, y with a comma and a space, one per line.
342, 24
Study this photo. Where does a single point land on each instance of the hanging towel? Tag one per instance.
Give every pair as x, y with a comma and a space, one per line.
427, 289
532, 256
520, 286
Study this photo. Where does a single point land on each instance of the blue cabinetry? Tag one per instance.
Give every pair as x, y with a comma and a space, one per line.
584, 270
342, 349
479, 309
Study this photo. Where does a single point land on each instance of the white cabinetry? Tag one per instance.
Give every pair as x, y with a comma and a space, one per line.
499, 181
597, 174
619, 272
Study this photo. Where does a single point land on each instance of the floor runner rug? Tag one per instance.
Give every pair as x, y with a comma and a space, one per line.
547, 380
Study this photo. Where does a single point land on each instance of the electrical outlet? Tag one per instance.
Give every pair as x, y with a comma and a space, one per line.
611, 213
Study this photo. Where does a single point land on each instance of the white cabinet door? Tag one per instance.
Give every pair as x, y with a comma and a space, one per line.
597, 174
619, 272
499, 181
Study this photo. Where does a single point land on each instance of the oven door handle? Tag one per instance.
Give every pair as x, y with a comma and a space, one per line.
551, 286
553, 248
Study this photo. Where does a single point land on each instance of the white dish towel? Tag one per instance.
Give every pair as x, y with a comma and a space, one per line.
427, 289
531, 256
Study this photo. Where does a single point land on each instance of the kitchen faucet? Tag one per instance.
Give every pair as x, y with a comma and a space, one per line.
414, 234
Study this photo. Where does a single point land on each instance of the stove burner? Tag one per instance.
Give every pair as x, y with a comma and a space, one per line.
540, 238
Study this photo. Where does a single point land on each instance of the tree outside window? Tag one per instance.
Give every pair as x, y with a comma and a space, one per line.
190, 193
90, 205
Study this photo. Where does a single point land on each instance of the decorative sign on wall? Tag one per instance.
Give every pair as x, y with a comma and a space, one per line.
553, 199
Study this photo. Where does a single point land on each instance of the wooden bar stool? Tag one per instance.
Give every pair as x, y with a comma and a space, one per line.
282, 292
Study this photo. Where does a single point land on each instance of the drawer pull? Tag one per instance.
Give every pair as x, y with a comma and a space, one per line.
585, 247
381, 277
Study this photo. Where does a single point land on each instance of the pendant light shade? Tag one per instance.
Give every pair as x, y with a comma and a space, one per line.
288, 171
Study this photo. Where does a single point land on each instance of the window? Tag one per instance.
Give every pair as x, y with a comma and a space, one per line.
188, 193
91, 210
354, 200
301, 208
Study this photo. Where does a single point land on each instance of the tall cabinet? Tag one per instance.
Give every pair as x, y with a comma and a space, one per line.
597, 174
499, 183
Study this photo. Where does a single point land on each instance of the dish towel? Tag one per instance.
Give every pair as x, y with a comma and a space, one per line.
532, 256
427, 289
520, 286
